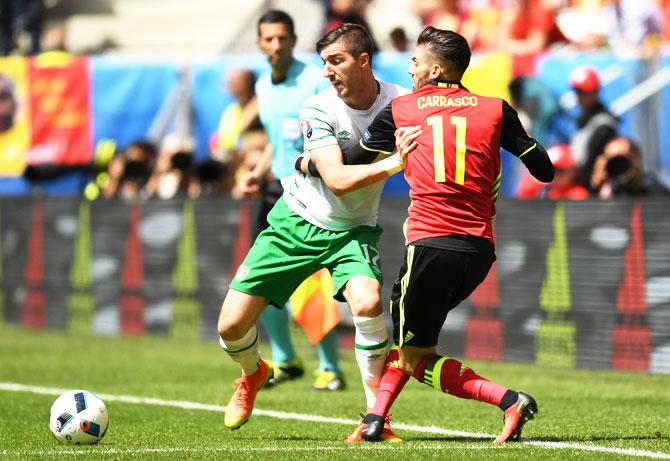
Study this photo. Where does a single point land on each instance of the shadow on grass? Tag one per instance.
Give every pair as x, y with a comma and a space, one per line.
604, 438
441, 438
572, 439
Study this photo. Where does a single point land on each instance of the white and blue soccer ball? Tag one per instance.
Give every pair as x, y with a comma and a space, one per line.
78, 417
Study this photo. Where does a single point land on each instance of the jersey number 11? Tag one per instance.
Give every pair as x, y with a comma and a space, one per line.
436, 121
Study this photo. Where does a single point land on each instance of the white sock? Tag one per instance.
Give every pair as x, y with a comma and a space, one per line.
244, 350
371, 348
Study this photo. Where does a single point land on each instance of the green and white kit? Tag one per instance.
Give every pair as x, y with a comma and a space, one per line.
326, 120
312, 228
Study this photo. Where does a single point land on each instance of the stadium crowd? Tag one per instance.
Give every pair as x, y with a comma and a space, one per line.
168, 168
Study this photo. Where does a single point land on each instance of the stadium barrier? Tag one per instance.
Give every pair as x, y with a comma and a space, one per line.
575, 285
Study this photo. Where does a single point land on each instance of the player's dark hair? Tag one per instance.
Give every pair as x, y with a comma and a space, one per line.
448, 46
356, 37
274, 17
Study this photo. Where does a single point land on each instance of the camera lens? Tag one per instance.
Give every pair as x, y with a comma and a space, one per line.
617, 166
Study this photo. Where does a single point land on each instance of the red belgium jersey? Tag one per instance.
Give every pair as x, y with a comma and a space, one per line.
454, 173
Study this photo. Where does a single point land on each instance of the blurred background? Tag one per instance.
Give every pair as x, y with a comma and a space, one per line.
117, 72
121, 120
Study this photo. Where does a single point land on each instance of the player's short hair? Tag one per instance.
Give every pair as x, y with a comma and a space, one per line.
356, 37
277, 16
448, 46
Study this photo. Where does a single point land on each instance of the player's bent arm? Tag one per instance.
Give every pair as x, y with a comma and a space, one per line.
341, 178
538, 163
515, 140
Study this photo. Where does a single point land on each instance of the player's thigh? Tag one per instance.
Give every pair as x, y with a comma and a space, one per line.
475, 268
274, 267
420, 301
355, 255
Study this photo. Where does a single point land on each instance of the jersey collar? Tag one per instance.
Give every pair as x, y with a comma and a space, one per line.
447, 84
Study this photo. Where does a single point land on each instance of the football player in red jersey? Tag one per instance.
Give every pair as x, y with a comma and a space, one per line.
454, 175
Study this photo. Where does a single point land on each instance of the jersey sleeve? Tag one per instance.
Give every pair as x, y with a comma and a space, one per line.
379, 137
513, 136
318, 129
515, 140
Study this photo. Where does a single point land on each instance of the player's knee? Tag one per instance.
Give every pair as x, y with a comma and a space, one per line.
366, 304
230, 328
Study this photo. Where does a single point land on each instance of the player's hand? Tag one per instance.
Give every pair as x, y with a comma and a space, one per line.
249, 185
405, 140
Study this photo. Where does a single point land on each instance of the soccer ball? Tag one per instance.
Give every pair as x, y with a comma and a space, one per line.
78, 417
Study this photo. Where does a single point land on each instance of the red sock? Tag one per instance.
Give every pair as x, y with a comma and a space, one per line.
393, 356
393, 380
421, 366
461, 381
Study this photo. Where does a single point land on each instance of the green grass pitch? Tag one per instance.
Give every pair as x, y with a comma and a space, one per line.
583, 414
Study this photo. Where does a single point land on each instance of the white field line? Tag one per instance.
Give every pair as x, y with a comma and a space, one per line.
100, 450
15, 387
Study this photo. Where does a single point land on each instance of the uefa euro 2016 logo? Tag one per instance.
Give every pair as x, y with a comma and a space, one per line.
306, 129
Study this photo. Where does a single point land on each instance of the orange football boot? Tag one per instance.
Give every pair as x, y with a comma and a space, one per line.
515, 417
241, 403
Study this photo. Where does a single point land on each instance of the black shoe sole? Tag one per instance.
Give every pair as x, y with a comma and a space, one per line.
373, 430
527, 414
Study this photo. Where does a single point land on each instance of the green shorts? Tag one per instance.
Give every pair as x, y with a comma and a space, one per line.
291, 249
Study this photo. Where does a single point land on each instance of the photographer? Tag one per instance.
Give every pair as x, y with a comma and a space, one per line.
596, 125
129, 171
618, 171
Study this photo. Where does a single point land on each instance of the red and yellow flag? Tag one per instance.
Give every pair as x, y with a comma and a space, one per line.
313, 306
60, 117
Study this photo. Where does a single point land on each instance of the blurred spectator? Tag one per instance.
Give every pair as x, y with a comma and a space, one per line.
6, 27
399, 39
174, 173
20, 16
7, 104
596, 125
250, 161
128, 173
622, 25
239, 134
566, 185
666, 20
618, 172
532, 27
537, 106
339, 12
212, 178
239, 117
447, 15
54, 40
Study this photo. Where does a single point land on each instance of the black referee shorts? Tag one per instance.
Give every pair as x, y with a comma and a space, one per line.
432, 281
